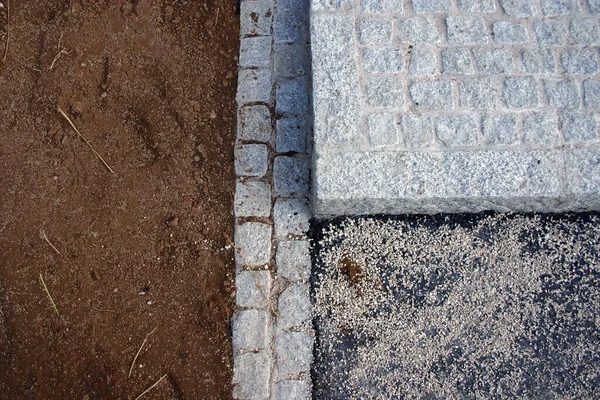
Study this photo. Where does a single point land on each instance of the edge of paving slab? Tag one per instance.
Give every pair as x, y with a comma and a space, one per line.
272, 331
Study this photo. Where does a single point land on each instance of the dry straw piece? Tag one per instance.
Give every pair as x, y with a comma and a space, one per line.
139, 351
43, 234
48, 293
151, 387
85, 140
61, 51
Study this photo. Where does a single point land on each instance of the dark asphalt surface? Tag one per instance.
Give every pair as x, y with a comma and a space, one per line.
457, 306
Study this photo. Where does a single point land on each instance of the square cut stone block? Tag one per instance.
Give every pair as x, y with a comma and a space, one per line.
292, 96
292, 134
249, 330
384, 92
255, 123
255, 51
509, 33
457, 61
291, 60
251, 160
302, 5
383, 60
550, 32
579, 61
256, 17
540, 128
291, 218
456, 130
418, 131
253, 244
393, 7
376, 31
500, 130
293, 260
423, 61
578, 126
293, 351
382, 131
493, 61
418, 30
293, 306
485, 6
562, 93
520, 92
254, 86
591, 93
432, 95
290, 176
290, 26
332, 5
538, 61
293, 390
552, 8
252, 199
478, 94
251, 374
517, 8
252, 289
431, 6
585, 32
465, 30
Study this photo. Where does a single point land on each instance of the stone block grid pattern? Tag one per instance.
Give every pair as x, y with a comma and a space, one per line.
456, 68
428, 106
271, 327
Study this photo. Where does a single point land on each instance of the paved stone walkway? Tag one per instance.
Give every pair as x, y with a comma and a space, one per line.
428, 106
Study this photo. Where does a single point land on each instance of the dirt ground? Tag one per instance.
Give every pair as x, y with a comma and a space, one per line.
141, 253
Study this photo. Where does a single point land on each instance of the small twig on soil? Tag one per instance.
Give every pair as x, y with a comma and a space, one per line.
151, 387
85, 140
138, 353
217, 18
8, 29
101, 310
61, 51
262, 290
48, 293
43, 234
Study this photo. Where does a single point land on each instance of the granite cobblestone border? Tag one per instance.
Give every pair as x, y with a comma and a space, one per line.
272, 331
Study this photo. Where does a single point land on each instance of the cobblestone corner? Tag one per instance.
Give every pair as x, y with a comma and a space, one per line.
272, 332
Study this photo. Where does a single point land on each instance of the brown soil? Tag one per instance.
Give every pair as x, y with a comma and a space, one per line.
151, 85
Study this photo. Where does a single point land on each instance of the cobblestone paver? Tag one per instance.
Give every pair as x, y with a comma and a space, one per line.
271, 327
466, 76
